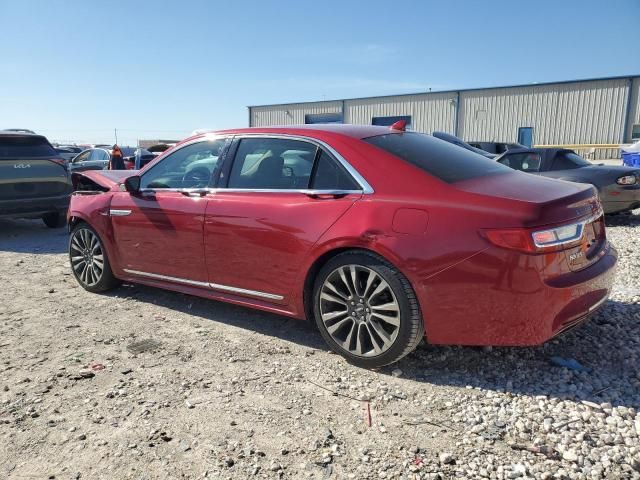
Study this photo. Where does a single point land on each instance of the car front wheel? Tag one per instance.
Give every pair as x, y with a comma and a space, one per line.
89, 261
366, 309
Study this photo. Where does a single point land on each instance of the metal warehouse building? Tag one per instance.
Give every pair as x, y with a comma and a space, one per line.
587, 114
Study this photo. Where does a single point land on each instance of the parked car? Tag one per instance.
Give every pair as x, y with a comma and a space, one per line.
495, 147
68, 152
447, 137
19, 130
96, 159
384, 237
34, 181
139, 159
618, 186
158, 148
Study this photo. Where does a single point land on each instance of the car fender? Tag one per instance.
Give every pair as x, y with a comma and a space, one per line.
94, 210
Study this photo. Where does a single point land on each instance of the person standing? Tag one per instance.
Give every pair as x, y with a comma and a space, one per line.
117, 159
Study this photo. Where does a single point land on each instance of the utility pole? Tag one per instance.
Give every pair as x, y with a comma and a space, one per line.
115, 132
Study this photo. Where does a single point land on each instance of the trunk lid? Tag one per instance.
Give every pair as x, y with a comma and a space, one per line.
546, 200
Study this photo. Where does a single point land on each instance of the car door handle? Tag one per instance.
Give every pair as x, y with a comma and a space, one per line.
328, 194
194, 192
119, 213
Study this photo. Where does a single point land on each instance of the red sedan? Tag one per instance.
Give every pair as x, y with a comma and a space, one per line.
384, 237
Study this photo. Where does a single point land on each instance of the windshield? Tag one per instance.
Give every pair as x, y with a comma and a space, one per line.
439, 158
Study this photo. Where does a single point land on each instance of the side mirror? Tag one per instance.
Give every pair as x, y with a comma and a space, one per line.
132, 184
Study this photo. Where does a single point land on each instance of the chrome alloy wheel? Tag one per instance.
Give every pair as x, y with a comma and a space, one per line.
359, 310
87, 258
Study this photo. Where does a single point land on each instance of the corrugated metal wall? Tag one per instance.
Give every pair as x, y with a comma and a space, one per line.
586, 112
290, 114
582, 112
429, 112
634, 112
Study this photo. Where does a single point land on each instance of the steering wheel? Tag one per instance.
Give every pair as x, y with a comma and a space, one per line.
196, 178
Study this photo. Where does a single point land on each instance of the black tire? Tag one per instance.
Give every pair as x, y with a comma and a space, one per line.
54, 219
106, 280
410, 331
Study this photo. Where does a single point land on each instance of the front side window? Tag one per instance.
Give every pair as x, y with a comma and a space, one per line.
192, 166
272, 163
439, 158
83, 157
525, 162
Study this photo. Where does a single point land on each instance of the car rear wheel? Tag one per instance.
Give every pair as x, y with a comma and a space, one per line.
89, 261
54, 219
366, 310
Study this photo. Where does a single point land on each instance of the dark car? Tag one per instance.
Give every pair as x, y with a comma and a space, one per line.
68, 152
139, 159
96, 159
34, 181
447, 137
495, 147
618, 186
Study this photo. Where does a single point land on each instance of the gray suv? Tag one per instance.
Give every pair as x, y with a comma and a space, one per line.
34, 179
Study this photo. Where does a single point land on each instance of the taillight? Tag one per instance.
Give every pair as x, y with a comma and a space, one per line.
530, 240
511, 238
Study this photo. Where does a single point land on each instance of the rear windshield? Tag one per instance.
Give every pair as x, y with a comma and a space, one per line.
17, 146
441, 159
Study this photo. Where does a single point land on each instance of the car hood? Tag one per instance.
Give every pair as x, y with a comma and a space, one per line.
110, 179
609, 169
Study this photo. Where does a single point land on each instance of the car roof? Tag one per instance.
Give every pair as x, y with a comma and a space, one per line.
349, 130
7, 133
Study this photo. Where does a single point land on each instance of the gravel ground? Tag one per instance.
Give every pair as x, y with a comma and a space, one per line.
143, 384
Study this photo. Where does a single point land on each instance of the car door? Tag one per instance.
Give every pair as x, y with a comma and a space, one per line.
159, 229
279, 196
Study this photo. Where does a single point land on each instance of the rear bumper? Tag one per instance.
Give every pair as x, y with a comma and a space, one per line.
500, 298
34, 207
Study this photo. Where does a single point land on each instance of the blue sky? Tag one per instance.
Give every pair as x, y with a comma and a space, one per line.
75, 70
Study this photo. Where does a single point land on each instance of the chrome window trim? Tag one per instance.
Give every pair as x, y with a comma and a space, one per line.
581, 224
213, 286
205, 191
367, 189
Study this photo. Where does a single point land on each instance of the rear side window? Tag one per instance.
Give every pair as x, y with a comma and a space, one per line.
441, 159
525, 162
272, 163
16, 146
568, 160
331, 176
